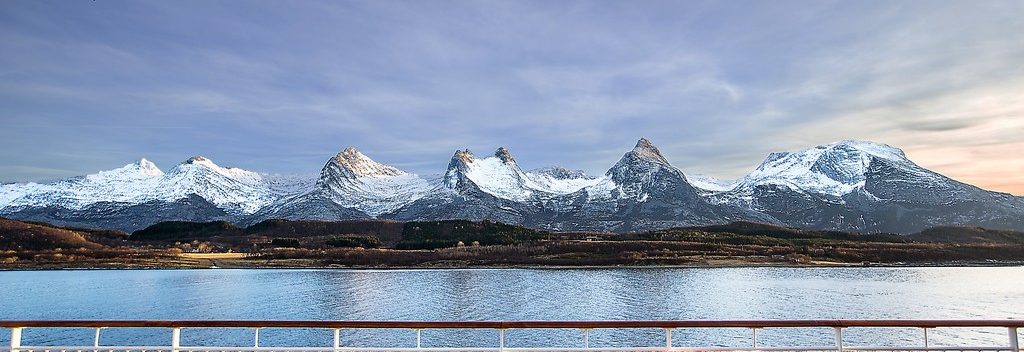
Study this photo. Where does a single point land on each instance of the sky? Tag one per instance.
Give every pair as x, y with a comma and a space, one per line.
281, 86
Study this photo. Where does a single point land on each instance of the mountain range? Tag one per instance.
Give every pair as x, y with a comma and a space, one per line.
849, 185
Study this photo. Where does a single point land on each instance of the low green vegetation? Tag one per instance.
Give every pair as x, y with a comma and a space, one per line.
382, 229
285, 243
452, 233
185, 230
354, 242
963, 234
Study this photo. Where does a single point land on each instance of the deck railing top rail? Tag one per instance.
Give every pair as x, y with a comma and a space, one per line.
360, 324
16, 327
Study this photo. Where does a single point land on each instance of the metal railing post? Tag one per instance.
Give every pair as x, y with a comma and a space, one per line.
418, 338
586, 338
337, 339
839, 339
926, 338
175, 339
668, 338
15, 339
501, 340
256, 339
1014, 341
96, 340
753, 338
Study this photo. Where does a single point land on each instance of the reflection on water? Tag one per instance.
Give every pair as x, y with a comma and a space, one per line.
516, 294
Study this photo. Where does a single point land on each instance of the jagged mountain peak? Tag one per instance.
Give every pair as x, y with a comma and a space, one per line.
644, 149
464, 156
351, 180
147, 167
198, 160
197, 163
142, 171
498, 175
849, 184
205, 163
644, 158
457, 165
351, 163
503, 154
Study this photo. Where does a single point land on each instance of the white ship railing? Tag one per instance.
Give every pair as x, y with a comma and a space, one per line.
335, 327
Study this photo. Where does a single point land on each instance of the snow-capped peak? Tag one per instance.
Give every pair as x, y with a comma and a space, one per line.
148, 167
353, 180
140, 171
202, 161
498, 175
644, 158
247, 177
457, 167
503, 155
833, 169
646, 150
352, 163
461, 157
230, 188
877, 149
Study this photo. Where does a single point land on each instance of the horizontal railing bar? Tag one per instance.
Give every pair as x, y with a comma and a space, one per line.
342, 324
946, 348
512, 349
489, 349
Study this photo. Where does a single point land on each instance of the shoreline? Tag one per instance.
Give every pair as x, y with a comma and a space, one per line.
545, 267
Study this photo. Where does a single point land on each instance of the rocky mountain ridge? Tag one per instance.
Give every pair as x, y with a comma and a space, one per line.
847, 185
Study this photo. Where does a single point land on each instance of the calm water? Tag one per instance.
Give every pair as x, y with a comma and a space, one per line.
515, 294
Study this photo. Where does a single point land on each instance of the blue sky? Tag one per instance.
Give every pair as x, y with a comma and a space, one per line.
280, 86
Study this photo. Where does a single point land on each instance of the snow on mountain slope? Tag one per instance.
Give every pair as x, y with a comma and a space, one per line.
493, 188
351, 163
710, 184
353, 180
851, 185
865, 186
500, 176
832, 169
228, 188
634, 173
641, 191
559, 180
234, 189
128, 184
281, 184
288, 184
